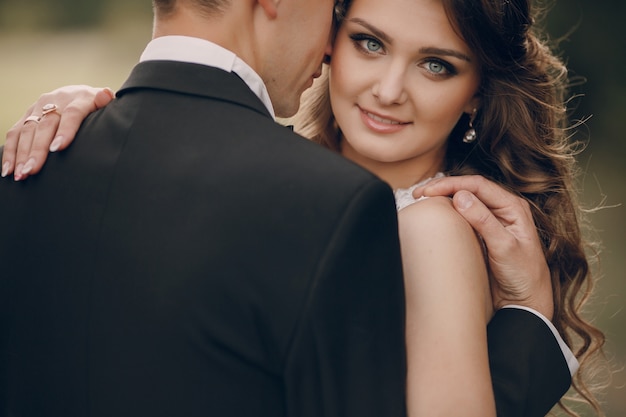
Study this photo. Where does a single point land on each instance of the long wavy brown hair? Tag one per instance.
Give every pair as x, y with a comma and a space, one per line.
524, 143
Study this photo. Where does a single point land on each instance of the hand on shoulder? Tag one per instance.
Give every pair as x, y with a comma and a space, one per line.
516, 260
49, 125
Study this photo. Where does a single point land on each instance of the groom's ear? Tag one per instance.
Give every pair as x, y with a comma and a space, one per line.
270, 7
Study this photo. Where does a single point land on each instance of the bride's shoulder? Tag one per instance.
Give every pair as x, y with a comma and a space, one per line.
433, 218
429, 209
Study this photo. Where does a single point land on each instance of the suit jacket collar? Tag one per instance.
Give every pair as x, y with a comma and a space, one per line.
194, 79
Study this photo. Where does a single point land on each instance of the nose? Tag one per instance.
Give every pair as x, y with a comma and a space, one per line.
389, 88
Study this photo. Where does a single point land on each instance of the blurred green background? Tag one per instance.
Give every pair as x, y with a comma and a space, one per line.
45, 44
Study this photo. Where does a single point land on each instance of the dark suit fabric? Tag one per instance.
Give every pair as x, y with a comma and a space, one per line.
528, 369
187, 256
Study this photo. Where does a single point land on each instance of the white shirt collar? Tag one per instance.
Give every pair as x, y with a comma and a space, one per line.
203, 52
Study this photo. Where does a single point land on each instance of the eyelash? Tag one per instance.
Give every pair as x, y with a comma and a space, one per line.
450, 70
359, 38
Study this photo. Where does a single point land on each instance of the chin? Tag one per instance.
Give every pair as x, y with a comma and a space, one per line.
380, 155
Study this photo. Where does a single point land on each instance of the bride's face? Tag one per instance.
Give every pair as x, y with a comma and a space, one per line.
400, 80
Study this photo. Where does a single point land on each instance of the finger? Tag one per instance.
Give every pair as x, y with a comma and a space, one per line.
71, 119
512, 211
103, 97
10, 149
487, 191
24, 144
74, 114
27, 146
482, 219
24, 163
42, 138
519, 272
10, 144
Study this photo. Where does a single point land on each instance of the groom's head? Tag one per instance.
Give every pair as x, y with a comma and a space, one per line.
284, 41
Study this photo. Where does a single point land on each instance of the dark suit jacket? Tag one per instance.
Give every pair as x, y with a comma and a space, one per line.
528, 369
187, 256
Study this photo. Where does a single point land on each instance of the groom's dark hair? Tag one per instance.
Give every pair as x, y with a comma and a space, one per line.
163, 8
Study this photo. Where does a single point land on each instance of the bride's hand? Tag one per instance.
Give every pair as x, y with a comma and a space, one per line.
50, 124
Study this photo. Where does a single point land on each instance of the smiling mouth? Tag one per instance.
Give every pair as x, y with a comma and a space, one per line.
381, 124
382, 119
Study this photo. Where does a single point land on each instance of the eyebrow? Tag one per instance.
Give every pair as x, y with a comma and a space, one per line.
426, 50
446, 52
379, 33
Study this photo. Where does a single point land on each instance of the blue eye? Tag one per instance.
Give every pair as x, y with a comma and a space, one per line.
367, 44
372, 45
436, 67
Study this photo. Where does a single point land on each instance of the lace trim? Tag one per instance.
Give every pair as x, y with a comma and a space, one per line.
404, 196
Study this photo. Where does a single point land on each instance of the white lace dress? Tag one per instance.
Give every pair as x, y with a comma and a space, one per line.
404, 196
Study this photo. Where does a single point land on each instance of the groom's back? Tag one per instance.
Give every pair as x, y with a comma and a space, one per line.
188, 256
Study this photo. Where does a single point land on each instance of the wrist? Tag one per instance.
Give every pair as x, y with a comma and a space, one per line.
538, 298
531, 288
545, 309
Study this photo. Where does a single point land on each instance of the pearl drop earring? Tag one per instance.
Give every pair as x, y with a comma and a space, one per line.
471, 135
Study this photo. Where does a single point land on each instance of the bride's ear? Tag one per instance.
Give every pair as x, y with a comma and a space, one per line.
473, 105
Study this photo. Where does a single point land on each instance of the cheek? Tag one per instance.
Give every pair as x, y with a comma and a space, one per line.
345, 76
334, 94
442, 122
335, 80
443, 107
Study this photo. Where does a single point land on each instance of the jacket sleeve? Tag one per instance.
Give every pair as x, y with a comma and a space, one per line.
528, 369
347, 356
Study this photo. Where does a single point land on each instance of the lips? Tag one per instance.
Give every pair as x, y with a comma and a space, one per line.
381, 124
381, 120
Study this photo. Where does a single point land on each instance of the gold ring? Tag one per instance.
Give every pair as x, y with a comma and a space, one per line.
48, 108
35, 119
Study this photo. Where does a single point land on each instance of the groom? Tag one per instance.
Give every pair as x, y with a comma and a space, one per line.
189, 255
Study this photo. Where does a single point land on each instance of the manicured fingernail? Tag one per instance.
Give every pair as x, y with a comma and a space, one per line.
28, 166
464, 200
17, 175
56, 144
5, 169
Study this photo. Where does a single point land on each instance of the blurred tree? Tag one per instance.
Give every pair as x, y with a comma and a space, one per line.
593, 46
81, 13
43, 14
